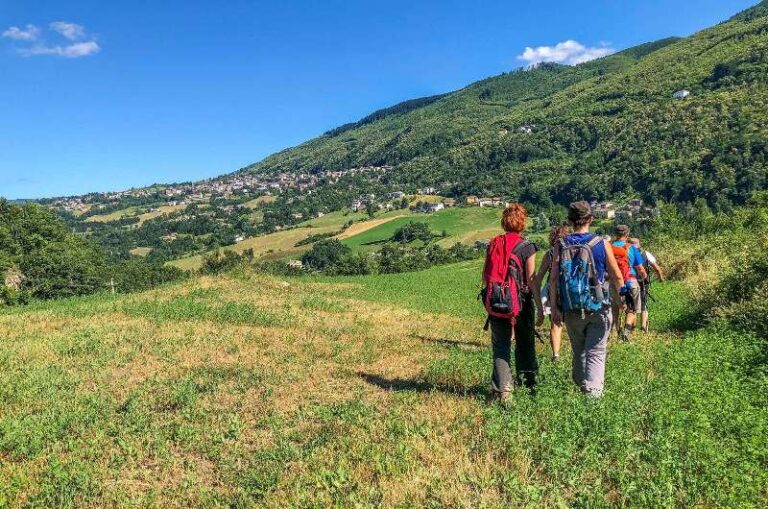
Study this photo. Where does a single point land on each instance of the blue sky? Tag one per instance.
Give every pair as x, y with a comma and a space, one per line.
99, 96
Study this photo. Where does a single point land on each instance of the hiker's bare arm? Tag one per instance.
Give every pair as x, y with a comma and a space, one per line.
530, 269
539, 278
641, 272
614, 272
657, 269
554, 274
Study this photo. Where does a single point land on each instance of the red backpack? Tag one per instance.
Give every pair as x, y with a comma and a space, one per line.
504, 277
621, 253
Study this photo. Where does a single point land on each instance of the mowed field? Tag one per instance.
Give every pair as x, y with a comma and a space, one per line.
464, 225
252, 391
133, 211
280, 244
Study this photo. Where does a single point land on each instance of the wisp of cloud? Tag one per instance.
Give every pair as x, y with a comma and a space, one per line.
568, 52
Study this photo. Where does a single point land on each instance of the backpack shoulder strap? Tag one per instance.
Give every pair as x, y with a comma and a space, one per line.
521, 245
596, 240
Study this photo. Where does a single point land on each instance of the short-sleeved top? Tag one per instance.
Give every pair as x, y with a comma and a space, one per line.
649, 257
635, 257
598, 252
526, 252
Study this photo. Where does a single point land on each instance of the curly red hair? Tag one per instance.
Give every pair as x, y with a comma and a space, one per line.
514, 218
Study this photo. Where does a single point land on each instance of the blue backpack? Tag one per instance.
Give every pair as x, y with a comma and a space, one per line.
579, 287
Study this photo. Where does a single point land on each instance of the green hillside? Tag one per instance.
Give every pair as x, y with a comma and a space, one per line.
599, 129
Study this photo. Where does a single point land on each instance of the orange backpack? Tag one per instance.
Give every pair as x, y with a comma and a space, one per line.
621, 253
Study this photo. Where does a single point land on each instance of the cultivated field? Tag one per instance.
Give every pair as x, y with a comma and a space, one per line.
133, 212
248, 390
462, 225
280, 244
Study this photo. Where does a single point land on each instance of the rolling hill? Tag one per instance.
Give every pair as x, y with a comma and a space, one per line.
555, 133
605, 129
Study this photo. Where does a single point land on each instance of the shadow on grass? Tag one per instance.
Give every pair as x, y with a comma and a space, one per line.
376, 242
404, 385
449, 342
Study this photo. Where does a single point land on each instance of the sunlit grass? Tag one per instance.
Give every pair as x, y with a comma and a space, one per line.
248, 390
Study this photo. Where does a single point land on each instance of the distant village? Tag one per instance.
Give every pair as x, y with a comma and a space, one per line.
274, 184
239, 183
633, 209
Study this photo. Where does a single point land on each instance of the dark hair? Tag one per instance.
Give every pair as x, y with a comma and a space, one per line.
514, 217
558, 233
578, 223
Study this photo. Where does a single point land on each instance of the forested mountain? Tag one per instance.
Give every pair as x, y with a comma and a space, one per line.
600, 129
611, 128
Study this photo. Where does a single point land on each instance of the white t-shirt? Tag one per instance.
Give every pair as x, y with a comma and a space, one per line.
651, 259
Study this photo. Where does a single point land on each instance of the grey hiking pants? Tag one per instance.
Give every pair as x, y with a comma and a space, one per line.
589, 341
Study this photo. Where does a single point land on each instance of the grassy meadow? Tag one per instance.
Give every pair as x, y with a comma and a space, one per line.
249, 390
461, 224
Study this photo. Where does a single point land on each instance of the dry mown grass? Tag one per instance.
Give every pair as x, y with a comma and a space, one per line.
269, 380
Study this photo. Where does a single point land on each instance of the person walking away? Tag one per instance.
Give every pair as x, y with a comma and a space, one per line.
510, 289
650, 264
581, 265
630, 261
544, 295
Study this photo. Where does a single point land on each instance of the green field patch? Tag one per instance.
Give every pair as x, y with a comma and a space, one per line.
456, 222
192, 309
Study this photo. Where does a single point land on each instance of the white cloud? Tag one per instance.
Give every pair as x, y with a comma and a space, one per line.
73, 47
71, 31
568, 52
80, 49
29, 33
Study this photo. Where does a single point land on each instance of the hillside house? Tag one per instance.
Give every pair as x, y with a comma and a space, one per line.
681, 94
603, 210
435, 207
427, 190
490, 202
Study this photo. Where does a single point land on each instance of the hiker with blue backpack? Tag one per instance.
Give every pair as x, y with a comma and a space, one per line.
508, 274
582, 266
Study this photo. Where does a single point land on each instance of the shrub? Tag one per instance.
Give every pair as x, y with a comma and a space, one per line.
325, 254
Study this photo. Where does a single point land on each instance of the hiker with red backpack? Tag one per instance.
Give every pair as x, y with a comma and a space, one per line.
581, 267
508, 273
630, 262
